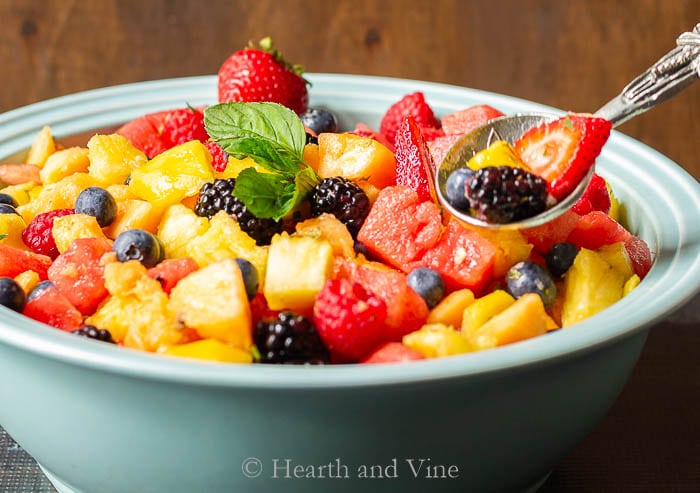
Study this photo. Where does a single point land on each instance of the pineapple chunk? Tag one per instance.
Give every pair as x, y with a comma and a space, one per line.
436, 341
113, 158
500, 153
136, 313
178, 227
213, 301
67, 229
120, 192
616, 255
134, 214
235, 166
42, 147
523, 319
11, 227
591, 285
484, 309
297, 269
451, 308
210, 350
328, 227
63, 163
27, 280
59, 195
630, 284
173, 175
225, 239
22, 192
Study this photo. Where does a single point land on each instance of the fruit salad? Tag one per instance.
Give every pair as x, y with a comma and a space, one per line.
255, 230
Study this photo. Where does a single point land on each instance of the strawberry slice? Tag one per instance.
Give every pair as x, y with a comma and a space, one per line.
562, 151
414, 162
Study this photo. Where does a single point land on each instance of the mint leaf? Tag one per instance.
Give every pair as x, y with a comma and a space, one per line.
231, 124
3, 236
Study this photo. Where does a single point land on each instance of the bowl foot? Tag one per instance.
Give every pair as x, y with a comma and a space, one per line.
60, 486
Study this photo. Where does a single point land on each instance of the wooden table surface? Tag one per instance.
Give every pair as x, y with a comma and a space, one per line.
571, 54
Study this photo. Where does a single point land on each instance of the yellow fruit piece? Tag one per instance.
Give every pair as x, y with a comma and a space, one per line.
630, 284
59, 195
173, 175
21, 193
224, 239
120, 192
511, 247
11, 227
372, 191
437, 341
484, 309
67, 229
27, 280
136, 313
615, 205
210, 350
235, 166
113, 158
524, 319
63, 163
42, 147
356, 158
616, 255
328, 227
550, 323
297, 269
213, 301
590, 285
134, 214
499, 153
178, 227
451, 308
311, 156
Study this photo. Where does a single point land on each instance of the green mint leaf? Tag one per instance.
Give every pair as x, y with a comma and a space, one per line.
266, 195
271, 134
3, 236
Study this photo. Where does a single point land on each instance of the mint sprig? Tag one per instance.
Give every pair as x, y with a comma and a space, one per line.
272, 136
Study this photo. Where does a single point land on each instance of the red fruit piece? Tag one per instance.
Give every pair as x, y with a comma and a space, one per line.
413, 104
349, 319
562, 151
14, 261
261, 74
399, 228
557, 230
78, 273
440, 146
464, 121
170, 271
597, 229
144, 133
595, 198
183, 125
51, 307
392, 352
219, 157
414, 163
38, 236
259, 309
406, 310
364, 130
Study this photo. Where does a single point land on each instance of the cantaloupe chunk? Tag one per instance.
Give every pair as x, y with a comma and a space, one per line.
356, 158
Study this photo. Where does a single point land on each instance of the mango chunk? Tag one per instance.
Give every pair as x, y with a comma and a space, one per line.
437, 341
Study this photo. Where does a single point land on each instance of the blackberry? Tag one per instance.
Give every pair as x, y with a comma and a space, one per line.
218, 196
289, 339
92, 332
342, 198
504, 194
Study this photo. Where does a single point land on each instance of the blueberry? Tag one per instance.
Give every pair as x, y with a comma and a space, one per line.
7, 209
98, 202
11, 294
92, 332
530, 277
428, 283
250, 277
40, 288
560, 257
8, 199
137, 244
320, 120
455, 188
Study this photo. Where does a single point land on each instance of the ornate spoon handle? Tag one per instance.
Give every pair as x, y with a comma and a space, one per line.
672, 73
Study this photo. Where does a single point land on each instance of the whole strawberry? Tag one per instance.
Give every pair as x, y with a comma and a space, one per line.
261, 74
413, 104
183, 125
349, 319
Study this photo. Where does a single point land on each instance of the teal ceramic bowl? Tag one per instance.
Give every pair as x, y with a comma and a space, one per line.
103, 419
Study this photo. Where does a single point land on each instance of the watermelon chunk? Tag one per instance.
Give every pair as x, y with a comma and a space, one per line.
545, 236
51, 307
392, 352
14, 261
170, 271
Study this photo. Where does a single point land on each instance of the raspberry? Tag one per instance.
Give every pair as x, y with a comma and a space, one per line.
219, 157
182, 126
37, 235
412, 104
289, 339
503, 194
342, 198
349, 319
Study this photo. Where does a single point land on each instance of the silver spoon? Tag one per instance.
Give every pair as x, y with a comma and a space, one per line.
672, 73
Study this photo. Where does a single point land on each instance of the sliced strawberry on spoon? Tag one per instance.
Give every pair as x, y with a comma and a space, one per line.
564, 150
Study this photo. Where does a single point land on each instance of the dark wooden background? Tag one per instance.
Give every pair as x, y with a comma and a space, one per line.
572, 54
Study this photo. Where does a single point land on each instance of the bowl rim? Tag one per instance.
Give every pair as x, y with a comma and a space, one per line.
673, 280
